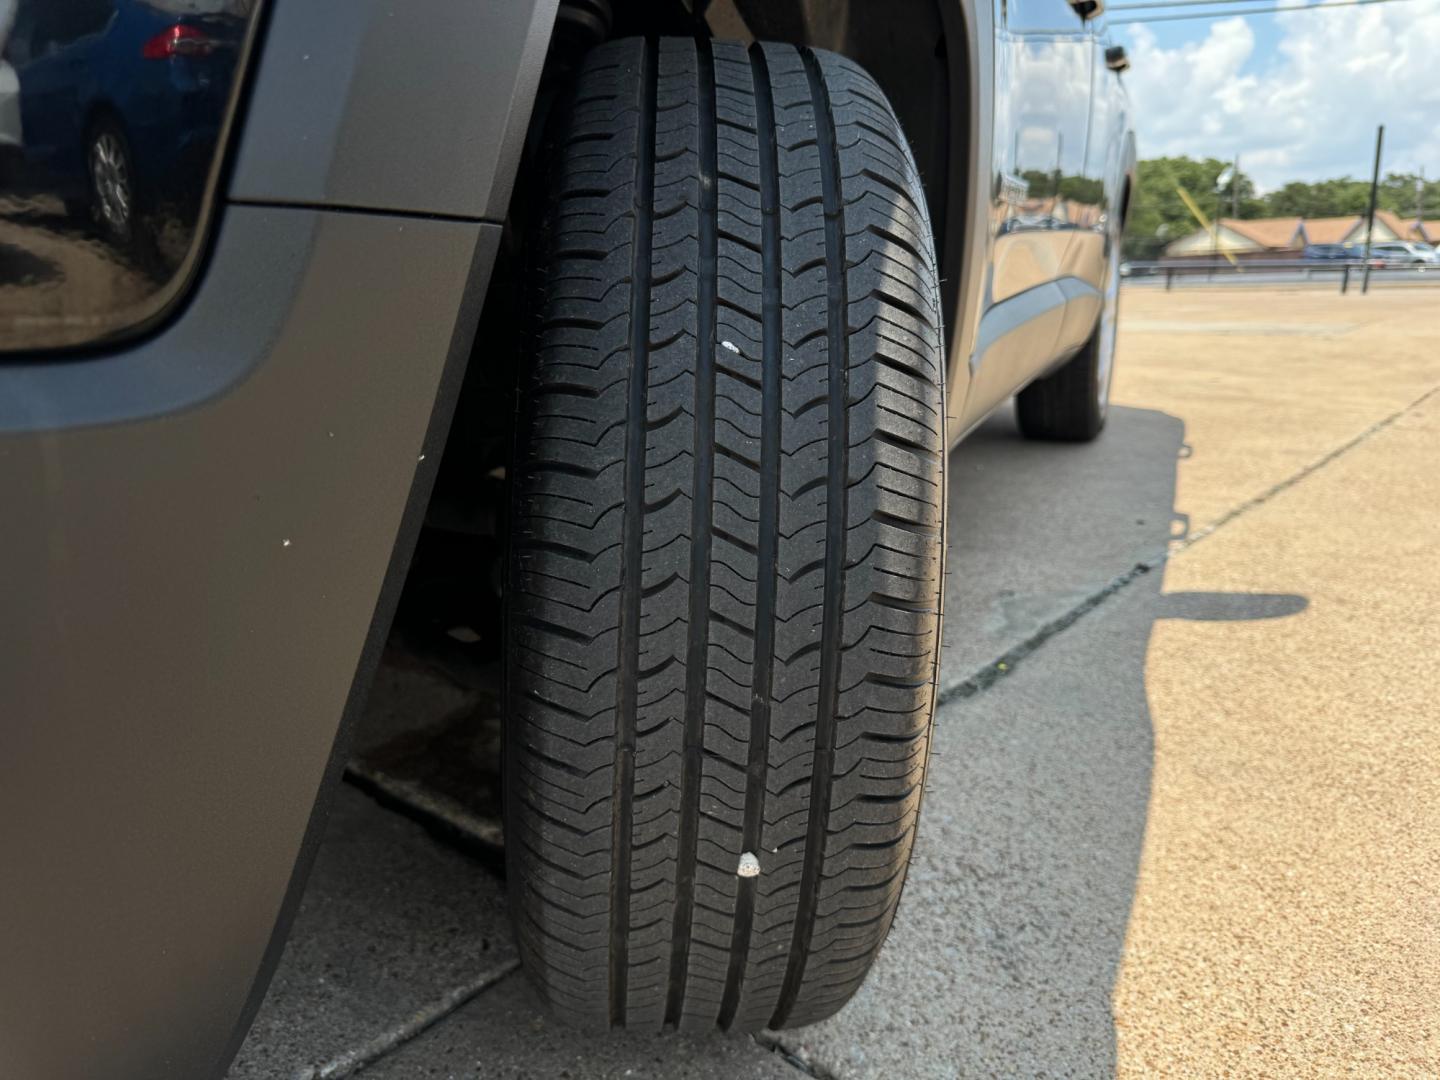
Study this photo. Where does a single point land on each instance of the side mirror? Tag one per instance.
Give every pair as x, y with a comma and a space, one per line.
1087, 9
1115, 58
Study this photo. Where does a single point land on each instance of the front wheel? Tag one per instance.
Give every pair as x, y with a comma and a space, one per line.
724, 604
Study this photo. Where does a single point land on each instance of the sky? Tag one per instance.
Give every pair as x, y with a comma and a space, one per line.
1296, 95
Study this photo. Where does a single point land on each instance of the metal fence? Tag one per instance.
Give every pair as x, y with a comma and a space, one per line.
1343, 274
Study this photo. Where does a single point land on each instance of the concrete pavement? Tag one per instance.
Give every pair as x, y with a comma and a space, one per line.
1191, 828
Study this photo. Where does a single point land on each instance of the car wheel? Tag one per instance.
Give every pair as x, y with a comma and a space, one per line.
727, 532
1070, 404
112, 183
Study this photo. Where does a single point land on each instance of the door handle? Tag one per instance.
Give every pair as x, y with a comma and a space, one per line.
1088, 9
1115, 59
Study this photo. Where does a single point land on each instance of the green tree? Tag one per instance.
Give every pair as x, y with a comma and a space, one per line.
1157, 213
1346, 196
1397, 193
1324, 198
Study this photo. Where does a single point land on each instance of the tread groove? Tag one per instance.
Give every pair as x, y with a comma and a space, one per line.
837, 433
633, 535
702, 512
757, 763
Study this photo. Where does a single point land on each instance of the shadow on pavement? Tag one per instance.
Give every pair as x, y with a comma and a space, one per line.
1229, 607
1005, 952
21, 267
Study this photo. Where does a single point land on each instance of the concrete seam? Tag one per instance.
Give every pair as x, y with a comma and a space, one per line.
445, 816
370, 1051
769, 1040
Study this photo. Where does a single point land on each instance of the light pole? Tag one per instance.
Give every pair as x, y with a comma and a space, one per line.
1227, 175
1370, 214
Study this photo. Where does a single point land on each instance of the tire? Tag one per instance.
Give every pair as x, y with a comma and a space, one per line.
723, 613
1071, 404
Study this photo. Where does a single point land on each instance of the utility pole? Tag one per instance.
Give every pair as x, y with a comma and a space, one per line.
1370, 214
1215, 229
1227, 175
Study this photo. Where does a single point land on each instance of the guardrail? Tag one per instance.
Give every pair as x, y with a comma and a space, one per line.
1344, 270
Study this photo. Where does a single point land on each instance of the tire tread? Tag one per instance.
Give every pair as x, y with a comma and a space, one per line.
727, 533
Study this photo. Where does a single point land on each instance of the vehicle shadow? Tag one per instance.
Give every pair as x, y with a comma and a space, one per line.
21, 267
1005, 952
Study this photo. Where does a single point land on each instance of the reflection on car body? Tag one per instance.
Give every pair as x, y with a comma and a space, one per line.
113, 111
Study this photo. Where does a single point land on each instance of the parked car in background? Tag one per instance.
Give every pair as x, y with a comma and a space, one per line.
676, 308
1327, 252
1404, 253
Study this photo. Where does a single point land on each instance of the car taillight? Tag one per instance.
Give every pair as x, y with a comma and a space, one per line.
178, 40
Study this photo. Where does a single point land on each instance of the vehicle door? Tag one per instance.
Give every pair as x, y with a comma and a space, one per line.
1044, 54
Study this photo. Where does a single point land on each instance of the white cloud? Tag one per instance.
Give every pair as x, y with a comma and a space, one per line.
1309, 109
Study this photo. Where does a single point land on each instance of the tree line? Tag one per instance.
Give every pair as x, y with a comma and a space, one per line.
1158, 215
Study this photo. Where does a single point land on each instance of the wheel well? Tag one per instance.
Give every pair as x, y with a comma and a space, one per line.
897, 42
102, 112
918, 51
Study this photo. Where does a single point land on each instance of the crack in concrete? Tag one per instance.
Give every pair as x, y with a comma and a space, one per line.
414, 799
768, 1040
1003, 665
427, 1016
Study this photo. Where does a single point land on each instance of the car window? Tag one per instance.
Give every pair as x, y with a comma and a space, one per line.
63, 23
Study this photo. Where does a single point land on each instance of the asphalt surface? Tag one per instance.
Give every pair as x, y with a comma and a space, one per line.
1183, 811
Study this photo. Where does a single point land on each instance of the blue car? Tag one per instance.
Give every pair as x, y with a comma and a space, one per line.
1328, 252
121, 103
